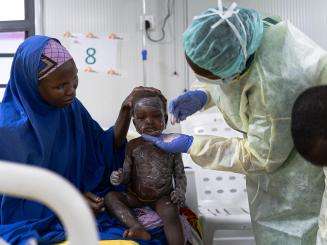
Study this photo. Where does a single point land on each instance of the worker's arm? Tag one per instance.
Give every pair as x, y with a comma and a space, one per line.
207, 88
267, 146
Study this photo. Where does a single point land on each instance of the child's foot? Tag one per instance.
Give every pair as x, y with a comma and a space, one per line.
137, 232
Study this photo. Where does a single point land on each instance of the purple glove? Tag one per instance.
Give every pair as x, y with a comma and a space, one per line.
173, 143
187, 104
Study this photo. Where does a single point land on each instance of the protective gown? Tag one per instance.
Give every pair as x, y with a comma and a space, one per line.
284, 190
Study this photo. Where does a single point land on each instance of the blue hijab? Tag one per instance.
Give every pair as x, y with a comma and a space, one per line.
65, 140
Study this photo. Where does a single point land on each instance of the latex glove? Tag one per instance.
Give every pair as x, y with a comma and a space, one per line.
177, 197
186, 105
173, 143
116, 177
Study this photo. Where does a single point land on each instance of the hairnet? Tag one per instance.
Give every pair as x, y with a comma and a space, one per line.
220, 40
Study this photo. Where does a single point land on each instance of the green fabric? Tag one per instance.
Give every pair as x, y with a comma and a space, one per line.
284, 190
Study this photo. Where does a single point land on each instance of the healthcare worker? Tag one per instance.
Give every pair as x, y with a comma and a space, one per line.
253, 70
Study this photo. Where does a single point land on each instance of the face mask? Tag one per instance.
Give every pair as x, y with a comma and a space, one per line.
215, 81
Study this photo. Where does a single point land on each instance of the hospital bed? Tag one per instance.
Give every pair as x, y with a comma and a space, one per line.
24, 181
42, 185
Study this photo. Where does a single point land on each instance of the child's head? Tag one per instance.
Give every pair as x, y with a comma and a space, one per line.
57, 75
150, 115
309, 125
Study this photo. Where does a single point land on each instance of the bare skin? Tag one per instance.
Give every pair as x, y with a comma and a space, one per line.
148, 173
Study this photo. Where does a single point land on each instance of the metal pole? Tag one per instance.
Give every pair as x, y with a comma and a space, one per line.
144, 50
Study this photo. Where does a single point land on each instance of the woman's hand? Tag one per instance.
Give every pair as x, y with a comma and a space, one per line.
173, 143
95, 203
140, 92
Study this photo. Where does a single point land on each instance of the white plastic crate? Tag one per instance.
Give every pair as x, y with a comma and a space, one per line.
219, 198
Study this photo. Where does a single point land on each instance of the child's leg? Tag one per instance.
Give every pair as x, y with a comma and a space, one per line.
169, 214
119, 204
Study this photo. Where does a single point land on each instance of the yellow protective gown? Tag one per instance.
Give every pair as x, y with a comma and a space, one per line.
322, 232
284, 190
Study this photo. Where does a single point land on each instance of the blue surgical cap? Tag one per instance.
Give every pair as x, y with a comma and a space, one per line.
223, 45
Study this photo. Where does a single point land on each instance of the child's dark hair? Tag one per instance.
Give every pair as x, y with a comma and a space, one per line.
309, 125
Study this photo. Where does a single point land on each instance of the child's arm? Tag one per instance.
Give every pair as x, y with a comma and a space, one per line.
178, 195
122, 176
127, 169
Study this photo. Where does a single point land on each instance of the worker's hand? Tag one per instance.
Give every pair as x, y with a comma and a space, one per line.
116, 177
178, 197
96, 203
186, 105
173, 143
140, 92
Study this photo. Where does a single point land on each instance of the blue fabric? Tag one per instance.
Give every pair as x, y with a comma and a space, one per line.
67, 141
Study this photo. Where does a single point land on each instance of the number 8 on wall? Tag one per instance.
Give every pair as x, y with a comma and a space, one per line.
90, 58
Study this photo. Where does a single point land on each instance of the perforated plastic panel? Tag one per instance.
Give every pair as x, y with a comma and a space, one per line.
223, 188
221, 197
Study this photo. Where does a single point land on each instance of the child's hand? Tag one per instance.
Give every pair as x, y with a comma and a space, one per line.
177, 197
96, 203
116, 177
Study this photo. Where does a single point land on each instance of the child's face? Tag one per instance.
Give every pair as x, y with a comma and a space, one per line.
149, 116
59, 88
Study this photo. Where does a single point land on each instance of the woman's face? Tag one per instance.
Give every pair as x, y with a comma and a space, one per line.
59, 87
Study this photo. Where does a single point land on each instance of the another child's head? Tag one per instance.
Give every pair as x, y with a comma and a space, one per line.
57, 75
309, 125
150, 115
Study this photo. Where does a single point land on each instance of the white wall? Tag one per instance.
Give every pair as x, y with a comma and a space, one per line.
308, 16
103, 95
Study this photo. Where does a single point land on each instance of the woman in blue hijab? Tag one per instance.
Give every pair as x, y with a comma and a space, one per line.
43, 124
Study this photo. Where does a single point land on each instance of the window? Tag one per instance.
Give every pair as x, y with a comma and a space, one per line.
16, 24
